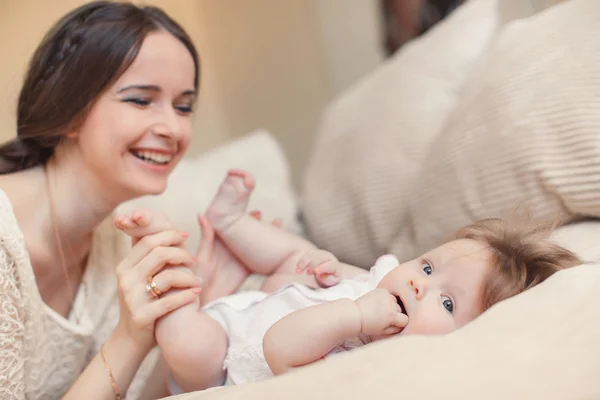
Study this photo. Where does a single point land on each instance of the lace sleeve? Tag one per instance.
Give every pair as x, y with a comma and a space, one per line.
12, 330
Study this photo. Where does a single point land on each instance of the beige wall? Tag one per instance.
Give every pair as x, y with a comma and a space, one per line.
350, 34
269, 64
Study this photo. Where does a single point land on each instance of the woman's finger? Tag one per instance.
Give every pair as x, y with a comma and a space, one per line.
164, 305
176, 278
148, 243
161, 256
205, 250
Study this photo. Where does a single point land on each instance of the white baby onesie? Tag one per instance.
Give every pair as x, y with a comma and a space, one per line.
246, 317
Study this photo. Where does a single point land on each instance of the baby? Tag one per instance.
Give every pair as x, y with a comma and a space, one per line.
313, 306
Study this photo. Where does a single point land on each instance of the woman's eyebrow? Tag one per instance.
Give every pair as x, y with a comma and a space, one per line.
152, 88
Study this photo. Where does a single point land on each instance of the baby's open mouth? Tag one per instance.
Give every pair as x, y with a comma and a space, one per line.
401, 304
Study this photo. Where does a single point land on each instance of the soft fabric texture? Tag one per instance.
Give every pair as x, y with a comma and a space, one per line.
42, 352
373, 138
246, 316
540, 345
524, 132
521, 129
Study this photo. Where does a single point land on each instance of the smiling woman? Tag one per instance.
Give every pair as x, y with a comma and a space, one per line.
104, 116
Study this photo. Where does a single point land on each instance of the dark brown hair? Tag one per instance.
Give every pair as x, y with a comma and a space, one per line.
79, 58
522, 256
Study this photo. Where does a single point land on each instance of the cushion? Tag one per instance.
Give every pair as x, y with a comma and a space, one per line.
525, 132
521, 129
540, 345
372, 139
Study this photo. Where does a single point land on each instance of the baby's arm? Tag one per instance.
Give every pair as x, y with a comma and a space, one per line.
307, 335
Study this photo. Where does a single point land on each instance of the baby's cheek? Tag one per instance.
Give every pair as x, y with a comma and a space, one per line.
425, 325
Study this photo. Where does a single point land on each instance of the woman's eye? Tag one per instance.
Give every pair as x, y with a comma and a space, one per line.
184, 109
448, 304
139, 102
427, 268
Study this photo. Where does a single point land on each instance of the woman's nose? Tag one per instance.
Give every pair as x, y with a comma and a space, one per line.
168, 126
419, 287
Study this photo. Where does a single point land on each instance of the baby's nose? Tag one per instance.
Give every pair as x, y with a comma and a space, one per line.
419, 286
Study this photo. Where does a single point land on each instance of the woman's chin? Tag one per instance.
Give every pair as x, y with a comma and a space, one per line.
146, 187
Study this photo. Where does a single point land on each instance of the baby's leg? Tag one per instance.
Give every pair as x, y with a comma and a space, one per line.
194, 347
140, 223
262, 247
193, 344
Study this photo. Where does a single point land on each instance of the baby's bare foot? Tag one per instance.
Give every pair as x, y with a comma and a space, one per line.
231, 199
142, 222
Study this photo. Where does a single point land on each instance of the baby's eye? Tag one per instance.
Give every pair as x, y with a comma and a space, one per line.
448, 304
426, 268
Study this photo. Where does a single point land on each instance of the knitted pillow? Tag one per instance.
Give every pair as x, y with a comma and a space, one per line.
527, 131
373, 138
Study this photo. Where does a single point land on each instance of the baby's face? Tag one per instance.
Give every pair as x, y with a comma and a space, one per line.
441, 290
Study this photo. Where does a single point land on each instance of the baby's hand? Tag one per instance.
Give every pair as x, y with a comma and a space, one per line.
322, 264
142, 223
380, 313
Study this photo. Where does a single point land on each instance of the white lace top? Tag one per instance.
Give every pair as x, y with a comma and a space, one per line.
42, 353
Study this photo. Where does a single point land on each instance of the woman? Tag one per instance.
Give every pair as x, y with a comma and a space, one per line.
104, 116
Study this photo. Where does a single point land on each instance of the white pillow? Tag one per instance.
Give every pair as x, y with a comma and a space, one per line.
194, 182
540, 345
526, 131
373, 138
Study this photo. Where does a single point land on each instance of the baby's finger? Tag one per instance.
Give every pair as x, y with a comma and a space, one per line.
301, 266
256, 214
400, 320
391, 330
325, 267
277, 222
328, 280
303, 263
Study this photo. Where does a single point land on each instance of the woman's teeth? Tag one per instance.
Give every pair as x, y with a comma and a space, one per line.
153, 157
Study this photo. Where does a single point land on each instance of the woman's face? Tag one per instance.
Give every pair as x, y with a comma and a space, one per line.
138, 130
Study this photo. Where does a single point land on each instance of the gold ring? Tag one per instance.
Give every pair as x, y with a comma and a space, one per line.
153, 289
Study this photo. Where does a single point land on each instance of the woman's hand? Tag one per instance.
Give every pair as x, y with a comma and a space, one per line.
146, 262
